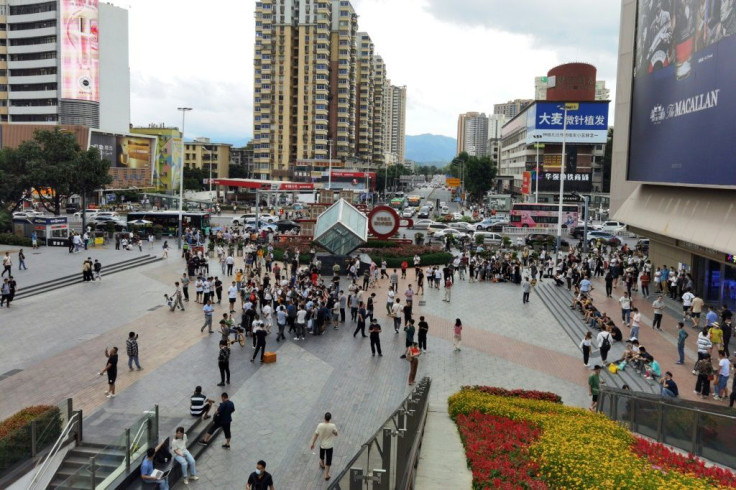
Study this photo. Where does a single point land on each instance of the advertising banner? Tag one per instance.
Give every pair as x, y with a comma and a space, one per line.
166, 169
130, 157
683, 93
526, 183
587, 123
80, 64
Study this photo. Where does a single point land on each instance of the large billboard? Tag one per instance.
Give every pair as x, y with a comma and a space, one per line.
587, 122
80, 63
130, 157
684, 93
166, 169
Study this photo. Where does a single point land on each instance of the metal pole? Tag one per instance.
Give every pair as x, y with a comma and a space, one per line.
210, 165
562, 182
536, 179
586, 200
181, 171
329, 172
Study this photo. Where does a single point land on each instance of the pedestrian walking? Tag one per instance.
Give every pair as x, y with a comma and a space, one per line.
185, 285
259, 332
394, 280
326, 432
222, 418
183, 456
131, 348
457, 335
396, 314
625, 302
594, 387
165, 248
422, 333
21, 260
34, 240
223, 363
409, 330
585, 345
604, 341
7, 265
412, 355
177, 298
704, 370
97, 270
658, 306
5, 290
208, 309
362, 314
526, 288
682, 335
232, 296
374, 330
448, 289
635, 323
111, 368
260, 479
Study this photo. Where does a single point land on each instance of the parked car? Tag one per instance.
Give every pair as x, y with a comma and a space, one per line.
463, 226
27, 214
435, 227
424, 212
88, 213
441, 234
613, 227
607, 238
544, 239
287, 225
489, 238
421, 224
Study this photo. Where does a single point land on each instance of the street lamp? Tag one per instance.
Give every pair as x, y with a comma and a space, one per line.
567, 107
210, 166
184, 111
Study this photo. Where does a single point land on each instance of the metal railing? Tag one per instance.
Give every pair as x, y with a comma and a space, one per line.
73, 429
388, 460
700, 429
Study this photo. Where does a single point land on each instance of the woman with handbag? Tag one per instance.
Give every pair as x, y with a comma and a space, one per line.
412, 355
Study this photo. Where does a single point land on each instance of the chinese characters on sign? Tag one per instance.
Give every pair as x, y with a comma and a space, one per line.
568, 177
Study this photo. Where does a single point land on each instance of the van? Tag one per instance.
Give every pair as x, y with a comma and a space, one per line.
489, 238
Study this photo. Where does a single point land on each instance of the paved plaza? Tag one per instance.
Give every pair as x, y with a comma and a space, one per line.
54, 342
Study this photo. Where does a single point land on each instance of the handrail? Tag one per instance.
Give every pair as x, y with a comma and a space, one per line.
73, 421
407, 481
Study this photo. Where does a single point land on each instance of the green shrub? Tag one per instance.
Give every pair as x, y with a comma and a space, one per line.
379, 244
10, 239
15, 433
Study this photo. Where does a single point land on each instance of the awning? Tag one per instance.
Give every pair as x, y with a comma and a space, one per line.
270, 185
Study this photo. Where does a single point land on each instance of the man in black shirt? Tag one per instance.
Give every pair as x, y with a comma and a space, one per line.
423, 329
260, 479
259, 333
375, 332
222, 418
111, 368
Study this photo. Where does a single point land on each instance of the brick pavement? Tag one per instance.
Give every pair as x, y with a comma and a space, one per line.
278, 405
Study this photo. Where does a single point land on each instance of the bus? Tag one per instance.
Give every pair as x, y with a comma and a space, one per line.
170, 220
414, 201
397, 203
532, 215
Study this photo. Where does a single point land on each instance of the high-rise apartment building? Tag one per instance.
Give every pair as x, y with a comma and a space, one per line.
395, 129
472, 134
64, 62
319, 89
511, 108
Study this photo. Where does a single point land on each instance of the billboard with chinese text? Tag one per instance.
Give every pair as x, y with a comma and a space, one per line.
130, 157
545, 123
80, 64
683, 93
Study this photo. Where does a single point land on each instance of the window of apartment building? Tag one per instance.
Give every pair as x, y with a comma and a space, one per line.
24, 26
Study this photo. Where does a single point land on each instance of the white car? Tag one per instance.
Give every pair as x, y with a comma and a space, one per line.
408, 212
421, 224
489, 238
435, 227
457, 215
441, 234
613, 227
463, 226
27, 214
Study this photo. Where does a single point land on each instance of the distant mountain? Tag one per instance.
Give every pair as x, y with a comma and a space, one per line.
430, 148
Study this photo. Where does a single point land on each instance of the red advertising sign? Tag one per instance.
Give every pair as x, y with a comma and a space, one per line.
526, 183
383, 222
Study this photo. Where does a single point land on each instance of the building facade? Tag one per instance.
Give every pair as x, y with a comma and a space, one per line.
204, 154
319, 89
64, 62
672, 174
511, 108
395, 131
472, 134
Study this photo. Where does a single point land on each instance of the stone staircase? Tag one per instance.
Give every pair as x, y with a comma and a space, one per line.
558, 299
107, 460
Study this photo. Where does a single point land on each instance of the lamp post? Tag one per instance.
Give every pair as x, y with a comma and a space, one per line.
184, 111
536, 179
571, 107
329, 171
209, 164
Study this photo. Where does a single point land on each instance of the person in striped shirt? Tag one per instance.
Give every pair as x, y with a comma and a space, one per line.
199, 404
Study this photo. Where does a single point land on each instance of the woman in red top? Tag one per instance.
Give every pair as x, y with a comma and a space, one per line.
412, 355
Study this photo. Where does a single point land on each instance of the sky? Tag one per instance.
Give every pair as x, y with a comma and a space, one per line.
454, 56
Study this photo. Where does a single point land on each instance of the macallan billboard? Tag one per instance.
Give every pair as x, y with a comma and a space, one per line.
80, 62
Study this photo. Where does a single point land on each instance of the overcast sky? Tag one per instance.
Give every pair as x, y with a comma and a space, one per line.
454, 56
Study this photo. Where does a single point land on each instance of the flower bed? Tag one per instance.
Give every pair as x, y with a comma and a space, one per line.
575, 448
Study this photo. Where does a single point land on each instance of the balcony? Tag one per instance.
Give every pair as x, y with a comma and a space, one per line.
45, 63
41, 32
33, 79
37, 109
33, 94
30, 48
38, 16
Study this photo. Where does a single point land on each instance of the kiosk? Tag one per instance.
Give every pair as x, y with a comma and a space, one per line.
52, 231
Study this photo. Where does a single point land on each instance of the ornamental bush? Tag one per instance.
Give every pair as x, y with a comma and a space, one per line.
15, 433
11, 239
577, 448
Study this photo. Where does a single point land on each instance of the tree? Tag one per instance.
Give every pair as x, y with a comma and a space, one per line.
54, 164
237, 172
194, 178
477, 173
392, 179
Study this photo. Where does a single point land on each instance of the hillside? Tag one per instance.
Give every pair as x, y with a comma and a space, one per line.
430, 148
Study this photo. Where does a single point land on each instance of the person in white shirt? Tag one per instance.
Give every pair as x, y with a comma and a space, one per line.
724, 371
183, 456
326, 431
232, 296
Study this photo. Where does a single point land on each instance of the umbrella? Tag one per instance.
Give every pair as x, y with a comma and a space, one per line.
141, 222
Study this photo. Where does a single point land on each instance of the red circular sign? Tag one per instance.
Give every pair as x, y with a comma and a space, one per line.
383, 222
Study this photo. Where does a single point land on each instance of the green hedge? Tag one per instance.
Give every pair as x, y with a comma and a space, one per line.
10, 239
434, 258
15, 433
